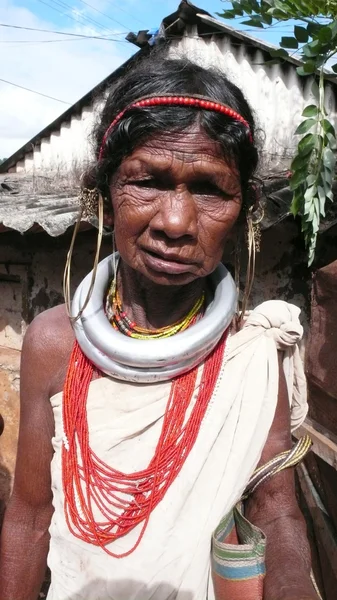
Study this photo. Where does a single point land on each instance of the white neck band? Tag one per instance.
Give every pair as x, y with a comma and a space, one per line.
149, 361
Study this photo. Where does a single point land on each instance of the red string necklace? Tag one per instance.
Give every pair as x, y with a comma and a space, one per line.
125, 500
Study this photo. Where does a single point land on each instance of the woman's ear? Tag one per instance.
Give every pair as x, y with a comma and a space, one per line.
108, 219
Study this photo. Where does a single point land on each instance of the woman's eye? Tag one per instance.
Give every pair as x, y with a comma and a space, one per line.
207, 189
150, 183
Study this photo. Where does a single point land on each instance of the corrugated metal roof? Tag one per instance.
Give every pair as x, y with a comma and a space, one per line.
66, 116
22, 208
175, 25
25, 206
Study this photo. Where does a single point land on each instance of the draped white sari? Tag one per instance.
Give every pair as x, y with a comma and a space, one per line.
125, 420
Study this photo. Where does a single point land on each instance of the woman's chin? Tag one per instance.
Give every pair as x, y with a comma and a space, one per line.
169, 279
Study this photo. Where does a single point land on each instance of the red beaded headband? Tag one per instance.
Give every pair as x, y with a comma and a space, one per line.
194, 101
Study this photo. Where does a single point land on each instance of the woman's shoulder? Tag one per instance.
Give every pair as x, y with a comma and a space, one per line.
47, 345
50, 326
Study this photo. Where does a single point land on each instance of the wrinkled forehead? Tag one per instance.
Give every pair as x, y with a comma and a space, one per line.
191, 151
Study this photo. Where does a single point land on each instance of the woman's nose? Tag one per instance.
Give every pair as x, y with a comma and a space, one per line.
177, 216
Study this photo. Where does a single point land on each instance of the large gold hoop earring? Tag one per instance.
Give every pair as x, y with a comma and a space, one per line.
91, 203
114, 263
237, 271
254, 218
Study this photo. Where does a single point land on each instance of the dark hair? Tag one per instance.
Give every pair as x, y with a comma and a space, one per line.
162, 76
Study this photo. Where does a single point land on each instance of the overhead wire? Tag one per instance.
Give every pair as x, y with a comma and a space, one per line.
36, 42
34, 91
77, 21
125, 11
102, 13
81, 35
79, 16
101, 37
106, 37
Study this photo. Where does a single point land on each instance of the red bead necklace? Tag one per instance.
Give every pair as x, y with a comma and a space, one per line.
126, 499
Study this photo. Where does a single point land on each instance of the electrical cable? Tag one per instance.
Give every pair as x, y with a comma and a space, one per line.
78, 15
125, 11
77, 21
102, 13
94, 37
34, 91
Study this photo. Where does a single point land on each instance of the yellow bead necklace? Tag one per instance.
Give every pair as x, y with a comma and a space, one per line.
119, 319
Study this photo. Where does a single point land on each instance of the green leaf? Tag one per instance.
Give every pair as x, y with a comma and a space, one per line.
329, 195
237, 5
320, 60
301, 34
297, 179
311, 179
328, 177
310, 111
315, 90
247, 6
333, 27
313, 28
315, 46
299, 162
267, 19
331, 141
328, 127
276, 13
227, 14
329, 159
311, 212
279, 4
279, 53
307, 144
309, 67
311, 253
305, 126
315, 215
254, 23
301, 71
322, 199
289, 42
308, 52
297, 202
282, 5
325, 34
309, 194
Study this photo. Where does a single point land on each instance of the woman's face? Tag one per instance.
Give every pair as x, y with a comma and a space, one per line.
175, 200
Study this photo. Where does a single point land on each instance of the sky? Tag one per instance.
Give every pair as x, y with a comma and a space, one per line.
66, 67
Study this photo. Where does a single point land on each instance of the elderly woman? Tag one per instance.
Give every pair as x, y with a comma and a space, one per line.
145, 413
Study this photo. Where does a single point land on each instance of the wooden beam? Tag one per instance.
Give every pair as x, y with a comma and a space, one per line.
324, 442
324, 533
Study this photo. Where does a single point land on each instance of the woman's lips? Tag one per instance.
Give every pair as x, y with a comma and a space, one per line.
162, 264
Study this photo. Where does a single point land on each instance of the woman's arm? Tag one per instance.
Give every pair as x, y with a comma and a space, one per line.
24, 536
273, 508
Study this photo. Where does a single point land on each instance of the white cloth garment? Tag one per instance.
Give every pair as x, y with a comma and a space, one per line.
125, 420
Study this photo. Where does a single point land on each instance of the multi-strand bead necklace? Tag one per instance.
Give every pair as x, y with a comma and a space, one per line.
119, 319
125, 500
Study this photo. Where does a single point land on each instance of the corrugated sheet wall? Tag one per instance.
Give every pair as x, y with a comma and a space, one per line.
276, 93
